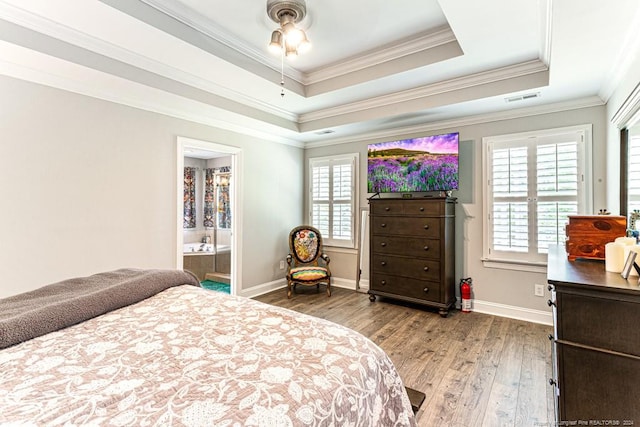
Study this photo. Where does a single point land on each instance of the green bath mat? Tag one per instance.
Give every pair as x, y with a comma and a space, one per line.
216, 286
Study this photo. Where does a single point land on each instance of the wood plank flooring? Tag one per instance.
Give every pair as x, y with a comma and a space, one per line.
475, 369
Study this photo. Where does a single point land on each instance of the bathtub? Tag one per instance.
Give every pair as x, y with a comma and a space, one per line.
203, 258
197, 249
204, 249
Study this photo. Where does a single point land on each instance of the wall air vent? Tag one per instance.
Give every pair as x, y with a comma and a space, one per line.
523, 97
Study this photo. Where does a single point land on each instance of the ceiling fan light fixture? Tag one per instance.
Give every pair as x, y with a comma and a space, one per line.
291, 51
305, 45
287, 39
276, 42
288, 13
294, 35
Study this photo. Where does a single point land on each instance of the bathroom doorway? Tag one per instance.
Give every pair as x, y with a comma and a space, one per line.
208, 212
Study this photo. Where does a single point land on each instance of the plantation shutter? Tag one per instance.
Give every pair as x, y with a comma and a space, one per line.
320, 197
633, 173
510, 191
557, 188
332, 198
533, 184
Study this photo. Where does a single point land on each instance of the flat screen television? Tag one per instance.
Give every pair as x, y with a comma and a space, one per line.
422, 164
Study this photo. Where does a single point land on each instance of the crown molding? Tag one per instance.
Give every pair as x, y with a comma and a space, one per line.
465, 82
139, 96
67, 34
430, 40
623, 61
387, 53
546, 21
592, 101
627, 112
210, 29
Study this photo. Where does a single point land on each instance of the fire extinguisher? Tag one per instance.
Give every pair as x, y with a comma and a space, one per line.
465, 294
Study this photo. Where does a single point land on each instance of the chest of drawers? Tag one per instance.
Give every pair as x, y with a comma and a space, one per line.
412, 251
596, 342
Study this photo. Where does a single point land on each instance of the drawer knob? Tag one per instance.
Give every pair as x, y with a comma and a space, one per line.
426, 248
426, 227
383, 282
425, 290
383, 225
426, 269
387, 209
383, 244
421, 209
383, 263
550, 303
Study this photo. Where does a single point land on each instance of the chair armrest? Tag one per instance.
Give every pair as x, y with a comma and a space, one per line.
326, 258
289, 259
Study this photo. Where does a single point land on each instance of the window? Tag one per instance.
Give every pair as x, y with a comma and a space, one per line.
332, 196
533, 182
633, 170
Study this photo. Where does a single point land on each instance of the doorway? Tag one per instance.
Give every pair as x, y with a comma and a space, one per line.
217, 170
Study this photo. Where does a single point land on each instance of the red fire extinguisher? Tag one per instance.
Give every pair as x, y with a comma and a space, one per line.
465, 294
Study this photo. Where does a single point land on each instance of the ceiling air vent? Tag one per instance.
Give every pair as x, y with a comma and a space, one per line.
324, 132
523, 97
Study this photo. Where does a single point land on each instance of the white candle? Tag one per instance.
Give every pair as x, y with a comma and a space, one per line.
634, 248
626, 240
614, 256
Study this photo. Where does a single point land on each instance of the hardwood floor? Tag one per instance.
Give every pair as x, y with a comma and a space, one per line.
475, 369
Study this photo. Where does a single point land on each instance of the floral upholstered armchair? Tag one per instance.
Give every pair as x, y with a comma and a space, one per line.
305, 246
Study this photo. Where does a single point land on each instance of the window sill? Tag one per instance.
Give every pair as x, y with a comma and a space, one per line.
340, 249
533, 267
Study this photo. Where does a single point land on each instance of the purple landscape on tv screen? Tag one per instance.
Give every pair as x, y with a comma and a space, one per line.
413, 165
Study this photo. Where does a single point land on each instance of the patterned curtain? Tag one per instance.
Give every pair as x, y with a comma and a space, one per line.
189, 200
209, 191
223, 201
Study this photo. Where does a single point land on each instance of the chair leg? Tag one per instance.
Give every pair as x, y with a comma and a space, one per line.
329, 289
288, 289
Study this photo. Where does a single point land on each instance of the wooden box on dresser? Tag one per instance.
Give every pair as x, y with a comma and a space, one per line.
412, 250
596, 342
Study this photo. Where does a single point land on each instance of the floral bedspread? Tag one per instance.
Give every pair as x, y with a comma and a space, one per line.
188, 356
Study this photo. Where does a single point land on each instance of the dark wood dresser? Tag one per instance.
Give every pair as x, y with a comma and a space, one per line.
412, 250
596, 342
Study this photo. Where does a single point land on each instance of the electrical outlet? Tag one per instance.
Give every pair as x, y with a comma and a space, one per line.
281, 265
539, 290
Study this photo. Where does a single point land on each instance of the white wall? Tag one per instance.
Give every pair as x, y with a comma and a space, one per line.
493, 286
87, 185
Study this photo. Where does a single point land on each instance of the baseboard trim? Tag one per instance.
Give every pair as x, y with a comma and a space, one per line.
337, 282
363, 286
265, 288
485, 307
513, 312
262, 289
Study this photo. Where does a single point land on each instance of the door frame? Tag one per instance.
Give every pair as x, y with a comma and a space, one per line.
183, 144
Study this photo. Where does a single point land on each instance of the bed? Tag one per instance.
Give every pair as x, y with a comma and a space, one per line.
151, 347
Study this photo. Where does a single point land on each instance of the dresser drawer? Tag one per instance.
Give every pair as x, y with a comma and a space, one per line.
605, 323
406, 226
598, 386
423, 269
420, 248
407, 207
403, 286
